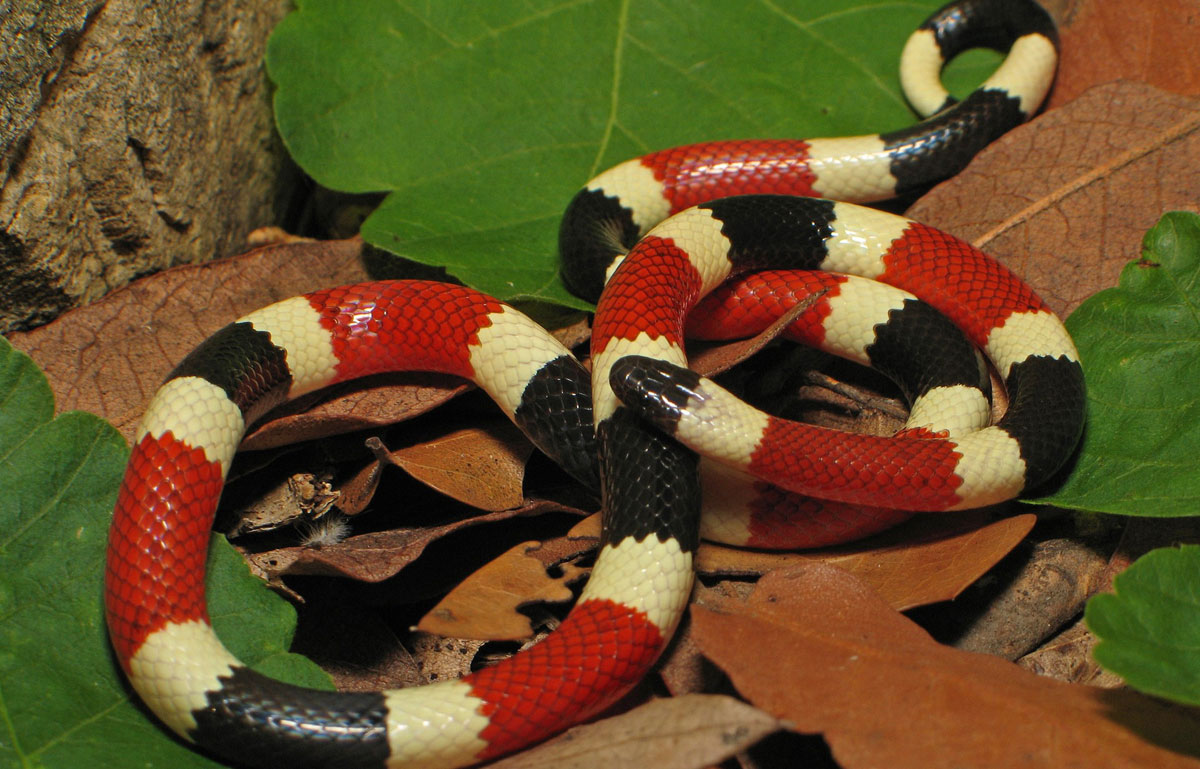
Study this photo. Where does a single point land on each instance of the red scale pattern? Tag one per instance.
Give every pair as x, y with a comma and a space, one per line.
601, 650
158, 543
858, 469
653, 299
403, 326
749, 304
781, 520
697, 173
982, 292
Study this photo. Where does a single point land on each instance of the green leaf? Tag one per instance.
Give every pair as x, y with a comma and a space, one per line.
1149, 629
483, 119
1139, 344
63, 701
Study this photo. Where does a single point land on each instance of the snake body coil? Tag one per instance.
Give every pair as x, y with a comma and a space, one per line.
158, 544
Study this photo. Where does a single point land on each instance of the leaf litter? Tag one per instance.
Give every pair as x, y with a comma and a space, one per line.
913, 571
884, 693
384, 555
1055, 204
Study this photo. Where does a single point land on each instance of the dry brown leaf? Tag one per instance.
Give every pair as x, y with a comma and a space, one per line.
364, 404
109, 357
359, 489
720, 358
483, 467
1149, 40
485, 604
444, 659
691, 732
683, 668
928, 559
1065, 200
588, 528
376, 556
559, 550
816, 646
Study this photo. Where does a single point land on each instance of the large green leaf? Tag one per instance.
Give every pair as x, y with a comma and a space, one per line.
1139, 343
1149, 629
483, 119
63, 702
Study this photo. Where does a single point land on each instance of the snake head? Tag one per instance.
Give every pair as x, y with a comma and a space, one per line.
658, 391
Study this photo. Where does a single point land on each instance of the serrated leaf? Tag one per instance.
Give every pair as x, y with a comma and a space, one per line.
63, 702
483, 119
1149, 629
1139, 343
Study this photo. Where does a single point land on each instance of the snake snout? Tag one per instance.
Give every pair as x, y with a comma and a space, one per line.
656, 390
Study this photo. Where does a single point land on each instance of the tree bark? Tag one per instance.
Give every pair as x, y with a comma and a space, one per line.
134, 135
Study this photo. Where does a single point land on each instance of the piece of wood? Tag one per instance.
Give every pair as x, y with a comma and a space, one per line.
137, 138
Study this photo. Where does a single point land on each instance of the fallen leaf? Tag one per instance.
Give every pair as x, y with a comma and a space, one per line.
110, 356
359, 489
931, 558
884, 693
588, 528
363, 404
444, 659
1153, 41
485, 604
683, 668
376, 556
559, 550
483, 467
716, 359
690, 732
1065, 200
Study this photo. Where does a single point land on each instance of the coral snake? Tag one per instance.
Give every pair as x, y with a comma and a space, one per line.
690, 236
